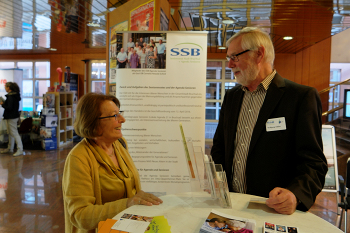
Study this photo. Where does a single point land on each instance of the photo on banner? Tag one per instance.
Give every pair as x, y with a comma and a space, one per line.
168, 90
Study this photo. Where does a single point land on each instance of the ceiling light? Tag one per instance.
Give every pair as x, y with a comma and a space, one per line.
228, 21
288, 38
52, 49
222, 47
91, 24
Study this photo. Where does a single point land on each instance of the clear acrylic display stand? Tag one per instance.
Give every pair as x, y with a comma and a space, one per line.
208, 180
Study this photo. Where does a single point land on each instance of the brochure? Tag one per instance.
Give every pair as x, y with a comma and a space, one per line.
218, 222
131, 223
278, 228
2, 99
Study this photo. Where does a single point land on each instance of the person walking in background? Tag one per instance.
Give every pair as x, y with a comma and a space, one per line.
11, 115
150, 58
161, 54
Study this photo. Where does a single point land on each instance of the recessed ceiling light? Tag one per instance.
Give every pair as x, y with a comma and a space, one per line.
222, 47
52, 49
288, 38
228, 21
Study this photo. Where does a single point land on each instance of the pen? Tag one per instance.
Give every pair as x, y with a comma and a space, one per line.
186, 151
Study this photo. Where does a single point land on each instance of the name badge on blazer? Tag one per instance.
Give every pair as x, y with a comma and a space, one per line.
275, 124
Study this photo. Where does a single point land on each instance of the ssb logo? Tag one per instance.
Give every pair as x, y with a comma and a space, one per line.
187, 49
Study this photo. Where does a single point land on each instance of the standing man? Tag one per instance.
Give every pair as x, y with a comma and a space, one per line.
122, 58
130, 44
160, 54
141, 42
269, 134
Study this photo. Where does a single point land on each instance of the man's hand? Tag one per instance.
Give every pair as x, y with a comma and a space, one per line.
282, 200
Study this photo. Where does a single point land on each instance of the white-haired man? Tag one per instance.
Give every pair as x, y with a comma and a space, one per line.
269, 134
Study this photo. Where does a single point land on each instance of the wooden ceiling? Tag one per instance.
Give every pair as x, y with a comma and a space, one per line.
308, 22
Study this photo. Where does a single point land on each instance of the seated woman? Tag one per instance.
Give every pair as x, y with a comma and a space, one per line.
99, 178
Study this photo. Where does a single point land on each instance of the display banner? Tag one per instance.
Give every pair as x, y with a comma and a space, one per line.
142, 17
156, 101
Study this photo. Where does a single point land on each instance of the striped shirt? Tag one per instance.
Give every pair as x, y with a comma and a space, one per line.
251, 105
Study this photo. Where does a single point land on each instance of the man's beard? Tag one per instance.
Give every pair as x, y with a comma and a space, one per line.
247, 76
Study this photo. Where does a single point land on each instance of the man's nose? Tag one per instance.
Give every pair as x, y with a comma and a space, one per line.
231, 64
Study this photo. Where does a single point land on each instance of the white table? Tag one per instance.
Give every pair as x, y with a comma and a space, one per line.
183, 217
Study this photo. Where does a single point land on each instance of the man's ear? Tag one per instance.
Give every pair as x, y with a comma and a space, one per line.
261, 54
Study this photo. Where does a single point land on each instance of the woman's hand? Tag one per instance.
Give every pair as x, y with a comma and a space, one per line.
142, 198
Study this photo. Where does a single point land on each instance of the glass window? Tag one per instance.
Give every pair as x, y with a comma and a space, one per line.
98, 87
38, 104
335, 75
7, 43
41, 87
210, 128
42, 70
98, 71
213, 90
27, 88
228, 86
98, 76
27, 104
212, 110
214, 69
7, 65
27, 68
228, 72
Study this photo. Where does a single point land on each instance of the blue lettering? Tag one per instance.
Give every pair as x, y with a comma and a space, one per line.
195, 52
174, 50
184, 51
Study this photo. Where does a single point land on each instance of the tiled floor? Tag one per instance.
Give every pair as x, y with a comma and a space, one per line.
33, 199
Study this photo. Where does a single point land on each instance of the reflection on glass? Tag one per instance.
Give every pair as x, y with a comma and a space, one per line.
27, 104
210, 128
29, 196
42, 70
41, 87
26, 42
98, 87
213, 90
212, 110
33, 194
27, 68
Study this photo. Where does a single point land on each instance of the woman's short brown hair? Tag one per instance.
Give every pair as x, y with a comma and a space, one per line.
87, 113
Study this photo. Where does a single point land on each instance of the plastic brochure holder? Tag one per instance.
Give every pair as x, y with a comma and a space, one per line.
208, 181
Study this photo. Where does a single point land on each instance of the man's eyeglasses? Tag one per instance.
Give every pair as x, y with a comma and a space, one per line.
235, 57
121, 113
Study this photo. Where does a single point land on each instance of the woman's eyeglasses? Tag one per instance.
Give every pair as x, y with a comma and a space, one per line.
121, 113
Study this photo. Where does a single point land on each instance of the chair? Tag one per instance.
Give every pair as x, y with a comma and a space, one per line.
25, 126
345, 198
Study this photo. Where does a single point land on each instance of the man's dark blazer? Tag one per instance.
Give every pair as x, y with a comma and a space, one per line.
291, 158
